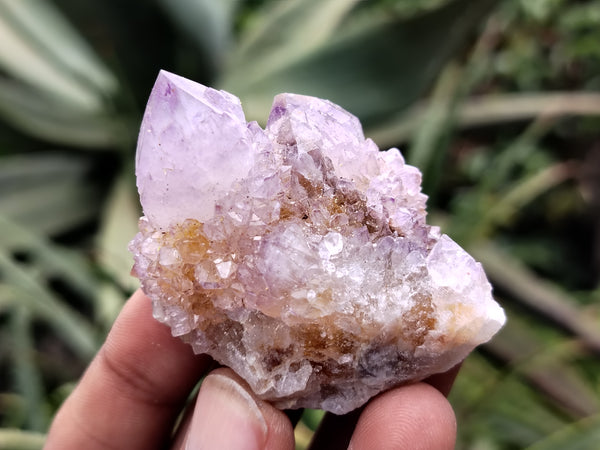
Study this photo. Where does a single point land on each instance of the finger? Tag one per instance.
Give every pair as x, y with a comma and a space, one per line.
229, 416
134, 388
416, 417
335, 432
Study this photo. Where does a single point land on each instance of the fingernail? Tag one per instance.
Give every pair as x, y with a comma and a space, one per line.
226, 417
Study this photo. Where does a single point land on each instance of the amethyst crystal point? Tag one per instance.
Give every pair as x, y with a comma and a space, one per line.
298, 255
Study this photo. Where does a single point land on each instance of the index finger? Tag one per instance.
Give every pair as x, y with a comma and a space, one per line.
133, 390
395, 416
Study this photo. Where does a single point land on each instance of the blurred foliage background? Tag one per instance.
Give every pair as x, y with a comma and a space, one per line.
496, 101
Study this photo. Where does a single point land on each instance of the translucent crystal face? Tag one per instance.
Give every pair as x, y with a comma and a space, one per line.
298, 255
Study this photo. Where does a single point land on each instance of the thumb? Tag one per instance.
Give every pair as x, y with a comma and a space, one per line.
228, 415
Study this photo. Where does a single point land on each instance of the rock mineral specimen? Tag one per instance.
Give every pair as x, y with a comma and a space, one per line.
298, 255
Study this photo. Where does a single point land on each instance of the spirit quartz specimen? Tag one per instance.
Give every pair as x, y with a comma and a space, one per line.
298, 255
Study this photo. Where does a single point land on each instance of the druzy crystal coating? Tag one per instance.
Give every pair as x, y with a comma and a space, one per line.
298, 255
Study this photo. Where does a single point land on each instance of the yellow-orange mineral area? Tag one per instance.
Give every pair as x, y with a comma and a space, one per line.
298, 255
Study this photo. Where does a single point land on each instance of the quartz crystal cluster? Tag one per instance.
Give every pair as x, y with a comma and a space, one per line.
298, 255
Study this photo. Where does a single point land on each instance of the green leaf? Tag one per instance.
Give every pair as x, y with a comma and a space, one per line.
545, 360
8, 298
117, 229
110, 301
372, 69
29, 169
312, 418
26, 375
49, 199
57, 121
541, 10
208, 23
499, 108
50, 259
26, 285
40, 47
428, 148
303, 436
12, 406
490, 110
582, 435
282, 34
76, 331
523, 192
13, 439
546, 298
495, 406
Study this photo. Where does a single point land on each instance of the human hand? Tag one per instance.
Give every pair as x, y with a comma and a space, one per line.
136, 387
